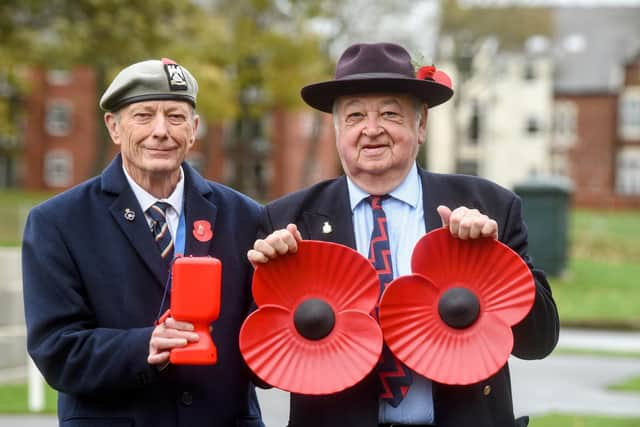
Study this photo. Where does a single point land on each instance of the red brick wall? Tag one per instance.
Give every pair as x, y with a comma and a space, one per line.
34, 144
80, 92
632, 73
300, 155
592, 160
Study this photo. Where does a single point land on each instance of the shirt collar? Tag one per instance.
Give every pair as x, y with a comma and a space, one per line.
408, 191
146, 200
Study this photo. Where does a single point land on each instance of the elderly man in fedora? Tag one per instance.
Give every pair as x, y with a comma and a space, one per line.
380, 112
96, 264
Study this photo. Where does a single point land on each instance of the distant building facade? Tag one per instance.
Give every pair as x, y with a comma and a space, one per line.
499, 123
567, 107
65, 141
596, 139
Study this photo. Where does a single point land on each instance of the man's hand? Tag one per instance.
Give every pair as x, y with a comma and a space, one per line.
169, 334
465, 223
280, 242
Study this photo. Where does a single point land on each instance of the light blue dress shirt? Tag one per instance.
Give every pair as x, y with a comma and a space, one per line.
405, 223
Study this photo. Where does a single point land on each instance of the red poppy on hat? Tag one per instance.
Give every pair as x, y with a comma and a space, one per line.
313, 332
429, 72
451, 319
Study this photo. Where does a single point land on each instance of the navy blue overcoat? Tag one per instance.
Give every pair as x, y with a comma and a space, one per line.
93, 285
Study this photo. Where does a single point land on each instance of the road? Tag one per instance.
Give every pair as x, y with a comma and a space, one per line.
559, 383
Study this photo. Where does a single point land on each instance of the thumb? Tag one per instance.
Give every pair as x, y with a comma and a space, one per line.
445, 214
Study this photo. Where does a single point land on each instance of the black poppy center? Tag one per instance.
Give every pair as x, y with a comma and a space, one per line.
314, 319
459, 308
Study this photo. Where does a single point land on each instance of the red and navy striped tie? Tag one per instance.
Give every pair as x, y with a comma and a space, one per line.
160, 230
395, 377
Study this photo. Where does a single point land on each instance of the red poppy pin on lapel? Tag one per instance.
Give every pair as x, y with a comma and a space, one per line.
202, 230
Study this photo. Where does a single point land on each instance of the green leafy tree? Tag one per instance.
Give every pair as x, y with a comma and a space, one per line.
250, 56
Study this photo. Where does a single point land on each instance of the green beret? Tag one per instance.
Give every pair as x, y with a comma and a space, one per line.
150, 80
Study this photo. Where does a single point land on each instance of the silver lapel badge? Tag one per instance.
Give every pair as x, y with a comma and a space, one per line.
129, 215
326, 227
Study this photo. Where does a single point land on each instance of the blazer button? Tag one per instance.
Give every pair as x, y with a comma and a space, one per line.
486, 390
186, 398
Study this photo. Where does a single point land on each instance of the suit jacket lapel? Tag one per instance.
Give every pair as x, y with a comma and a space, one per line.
432, 196
329, 218
197, 208
134, 227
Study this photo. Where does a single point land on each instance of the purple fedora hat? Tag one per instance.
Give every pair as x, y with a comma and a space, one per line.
375, 68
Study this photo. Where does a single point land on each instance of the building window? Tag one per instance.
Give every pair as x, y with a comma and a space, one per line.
533, 126
629, 117
565, 117
474, 124
58, 117
628, 172
58, 169
529, 72
59, 77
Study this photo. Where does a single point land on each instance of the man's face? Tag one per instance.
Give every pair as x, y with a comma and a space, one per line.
377, 137
154, 136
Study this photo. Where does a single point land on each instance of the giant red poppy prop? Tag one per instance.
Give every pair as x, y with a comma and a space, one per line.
313, 332
451, 320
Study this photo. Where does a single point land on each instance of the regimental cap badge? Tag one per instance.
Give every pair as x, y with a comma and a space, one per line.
175, 75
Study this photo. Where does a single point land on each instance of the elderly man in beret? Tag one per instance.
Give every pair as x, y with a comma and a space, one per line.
380, 109
96, 264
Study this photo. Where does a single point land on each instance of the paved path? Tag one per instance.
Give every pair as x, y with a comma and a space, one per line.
559, 383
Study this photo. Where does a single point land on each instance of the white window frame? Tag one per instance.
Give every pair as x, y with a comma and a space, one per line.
629, 114
58, 118
565, 123
628, 171
58, 168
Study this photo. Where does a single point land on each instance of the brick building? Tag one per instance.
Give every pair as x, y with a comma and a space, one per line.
596, 139
66, 142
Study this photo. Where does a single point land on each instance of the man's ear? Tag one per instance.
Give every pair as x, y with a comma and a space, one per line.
111, 122
196, 123
422, 126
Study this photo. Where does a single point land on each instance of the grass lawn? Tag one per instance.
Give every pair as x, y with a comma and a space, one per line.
599, 292
556, 420
600, 286
14, 206
14, 399
631, 385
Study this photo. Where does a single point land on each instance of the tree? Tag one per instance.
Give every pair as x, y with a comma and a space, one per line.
245, 53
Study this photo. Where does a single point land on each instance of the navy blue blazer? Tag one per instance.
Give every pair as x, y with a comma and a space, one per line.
485, 404
93, 284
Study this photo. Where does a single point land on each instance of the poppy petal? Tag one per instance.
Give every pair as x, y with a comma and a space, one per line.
416, 334
328, 271
283, 358
498, 275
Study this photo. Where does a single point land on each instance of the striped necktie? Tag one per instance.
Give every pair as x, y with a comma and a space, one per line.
160, 230
395, 377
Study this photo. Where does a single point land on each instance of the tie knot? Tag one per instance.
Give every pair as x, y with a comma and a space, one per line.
376, 201
158, 211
